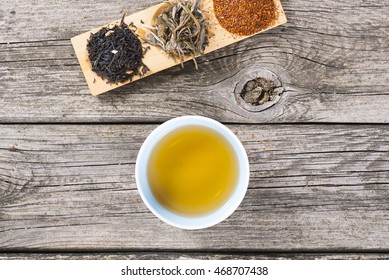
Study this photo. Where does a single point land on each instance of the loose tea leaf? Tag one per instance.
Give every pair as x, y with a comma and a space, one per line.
245, 17
116, 53
180, 30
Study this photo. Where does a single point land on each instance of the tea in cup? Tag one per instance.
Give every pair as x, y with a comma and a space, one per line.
192, 172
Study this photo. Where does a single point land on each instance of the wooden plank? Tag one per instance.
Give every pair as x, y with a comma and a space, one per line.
331, 58
155, 59
312, 187
191, 256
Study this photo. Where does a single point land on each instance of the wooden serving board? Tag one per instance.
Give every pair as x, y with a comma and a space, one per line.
155, 59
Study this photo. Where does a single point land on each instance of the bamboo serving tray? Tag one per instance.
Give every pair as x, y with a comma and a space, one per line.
155, 59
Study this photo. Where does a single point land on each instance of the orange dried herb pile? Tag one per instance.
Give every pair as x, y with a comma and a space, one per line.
245, 17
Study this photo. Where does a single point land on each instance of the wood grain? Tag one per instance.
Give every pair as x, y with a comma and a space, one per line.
331, 58
312, 187
191, 256
156, 60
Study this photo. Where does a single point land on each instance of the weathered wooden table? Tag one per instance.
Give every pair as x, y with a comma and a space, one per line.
319, 157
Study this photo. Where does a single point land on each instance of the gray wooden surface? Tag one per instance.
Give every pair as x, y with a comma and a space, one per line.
331, 57
319, 158
192, 256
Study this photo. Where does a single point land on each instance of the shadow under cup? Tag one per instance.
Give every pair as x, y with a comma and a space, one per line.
188, 221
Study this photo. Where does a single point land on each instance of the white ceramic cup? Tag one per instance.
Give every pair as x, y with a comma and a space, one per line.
183, 221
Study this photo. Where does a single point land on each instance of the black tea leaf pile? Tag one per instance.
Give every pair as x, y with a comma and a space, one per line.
116, 53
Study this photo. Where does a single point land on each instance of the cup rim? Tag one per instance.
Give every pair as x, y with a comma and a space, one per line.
183, 221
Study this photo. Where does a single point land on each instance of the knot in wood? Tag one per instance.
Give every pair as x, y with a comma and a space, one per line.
258, 90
